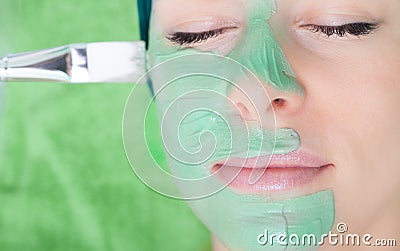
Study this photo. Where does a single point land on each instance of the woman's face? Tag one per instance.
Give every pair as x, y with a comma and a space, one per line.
344, 104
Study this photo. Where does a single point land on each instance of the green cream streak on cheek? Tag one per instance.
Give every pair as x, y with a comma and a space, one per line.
237, 220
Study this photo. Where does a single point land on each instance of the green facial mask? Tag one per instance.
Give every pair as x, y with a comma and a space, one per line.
201, 125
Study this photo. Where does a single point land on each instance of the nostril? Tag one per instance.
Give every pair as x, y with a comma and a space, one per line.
243, 110
279, 103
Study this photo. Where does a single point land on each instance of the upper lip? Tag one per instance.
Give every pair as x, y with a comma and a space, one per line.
298, 158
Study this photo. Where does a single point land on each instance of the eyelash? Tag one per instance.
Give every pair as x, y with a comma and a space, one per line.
355, 29
187, 38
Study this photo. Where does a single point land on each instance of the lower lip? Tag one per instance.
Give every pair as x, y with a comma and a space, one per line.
272, 179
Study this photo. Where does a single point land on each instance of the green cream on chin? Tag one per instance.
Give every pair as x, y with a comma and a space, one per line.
200, 127
239, 220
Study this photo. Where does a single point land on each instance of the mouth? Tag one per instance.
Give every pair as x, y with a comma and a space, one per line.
266, 174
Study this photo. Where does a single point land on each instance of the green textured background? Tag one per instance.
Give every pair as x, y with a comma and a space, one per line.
65, 183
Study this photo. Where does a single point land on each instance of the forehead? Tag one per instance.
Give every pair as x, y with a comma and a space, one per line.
188, 8
173, 11
196, 4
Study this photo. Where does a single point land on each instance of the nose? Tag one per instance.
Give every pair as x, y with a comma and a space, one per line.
264, 102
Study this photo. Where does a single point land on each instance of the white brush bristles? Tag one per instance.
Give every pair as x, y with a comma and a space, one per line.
116, 61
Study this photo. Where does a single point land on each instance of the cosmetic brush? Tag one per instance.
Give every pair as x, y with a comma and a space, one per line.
102, 62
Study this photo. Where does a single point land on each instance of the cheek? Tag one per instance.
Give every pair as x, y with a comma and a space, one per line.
358, 107
357, 94
357, 114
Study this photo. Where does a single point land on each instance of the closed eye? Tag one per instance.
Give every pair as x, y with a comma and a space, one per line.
189, 38
354, 29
